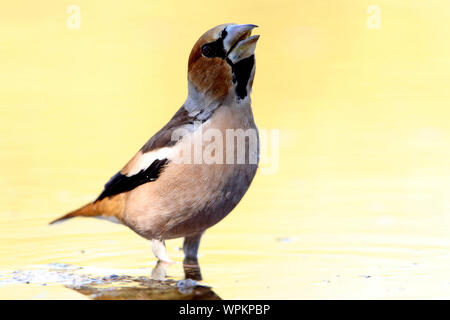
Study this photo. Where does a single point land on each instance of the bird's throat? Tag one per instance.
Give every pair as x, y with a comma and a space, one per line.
242, 75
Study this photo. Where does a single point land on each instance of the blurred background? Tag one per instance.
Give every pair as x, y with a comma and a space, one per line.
359, 91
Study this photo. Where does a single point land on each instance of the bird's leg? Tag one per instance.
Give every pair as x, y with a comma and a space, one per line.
159, 250
190, 264
190, 248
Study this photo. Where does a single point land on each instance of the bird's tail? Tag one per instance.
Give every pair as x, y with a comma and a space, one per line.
108, 208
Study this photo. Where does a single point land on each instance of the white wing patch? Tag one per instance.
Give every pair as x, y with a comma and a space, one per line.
146, 159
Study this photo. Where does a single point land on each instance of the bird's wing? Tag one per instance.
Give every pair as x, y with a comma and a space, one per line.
150, 161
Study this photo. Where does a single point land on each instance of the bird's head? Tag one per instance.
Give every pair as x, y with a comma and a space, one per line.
222, 64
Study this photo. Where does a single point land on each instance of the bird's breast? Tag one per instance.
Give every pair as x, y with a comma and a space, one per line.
203, 183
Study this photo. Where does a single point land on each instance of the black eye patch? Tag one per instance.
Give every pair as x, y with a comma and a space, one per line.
215, 49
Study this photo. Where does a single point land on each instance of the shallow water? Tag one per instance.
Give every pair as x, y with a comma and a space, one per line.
359, 206
254, 253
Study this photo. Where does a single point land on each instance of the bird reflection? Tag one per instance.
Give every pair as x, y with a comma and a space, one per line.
192, 270
155, 287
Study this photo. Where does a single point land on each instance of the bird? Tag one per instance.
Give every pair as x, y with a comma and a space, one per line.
165, 191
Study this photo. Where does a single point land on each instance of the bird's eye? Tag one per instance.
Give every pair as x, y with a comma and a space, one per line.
207, 51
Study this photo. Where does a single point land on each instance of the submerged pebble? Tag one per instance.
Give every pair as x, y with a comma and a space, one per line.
186, 286
186, 283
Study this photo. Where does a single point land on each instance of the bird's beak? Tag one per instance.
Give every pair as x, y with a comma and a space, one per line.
238, 43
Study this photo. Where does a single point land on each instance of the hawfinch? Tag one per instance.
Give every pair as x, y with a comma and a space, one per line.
191, 173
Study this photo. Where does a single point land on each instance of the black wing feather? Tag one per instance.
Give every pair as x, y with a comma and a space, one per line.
121, 183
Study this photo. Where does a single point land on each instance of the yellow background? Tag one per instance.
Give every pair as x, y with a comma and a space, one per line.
360, 205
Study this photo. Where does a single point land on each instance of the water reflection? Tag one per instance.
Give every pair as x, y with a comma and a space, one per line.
155, 287
192, 269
